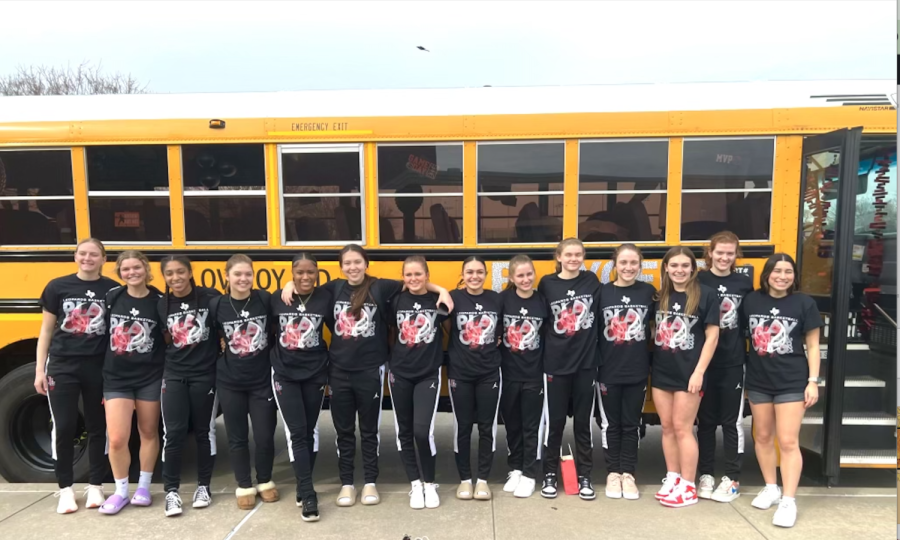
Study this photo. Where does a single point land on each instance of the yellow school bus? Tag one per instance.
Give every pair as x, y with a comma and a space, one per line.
444, 173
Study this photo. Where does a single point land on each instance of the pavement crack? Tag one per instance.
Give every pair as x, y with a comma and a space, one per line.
26, 507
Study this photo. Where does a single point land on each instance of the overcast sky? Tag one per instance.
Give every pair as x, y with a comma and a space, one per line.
223, 46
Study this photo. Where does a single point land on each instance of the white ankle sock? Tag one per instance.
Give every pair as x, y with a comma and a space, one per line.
772, 486
673, 475
788, 500
144, 480
122, 487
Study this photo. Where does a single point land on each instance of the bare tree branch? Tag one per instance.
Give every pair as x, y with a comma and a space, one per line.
56, 81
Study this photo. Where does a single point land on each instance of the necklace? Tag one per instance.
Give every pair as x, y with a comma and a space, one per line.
302, 307
243, 312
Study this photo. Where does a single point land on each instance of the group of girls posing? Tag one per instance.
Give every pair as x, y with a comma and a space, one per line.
524, 353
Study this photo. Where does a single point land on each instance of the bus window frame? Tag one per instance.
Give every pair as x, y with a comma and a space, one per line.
322, 148
462, 236
770, 190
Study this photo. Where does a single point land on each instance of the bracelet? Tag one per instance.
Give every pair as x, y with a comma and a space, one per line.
813, 379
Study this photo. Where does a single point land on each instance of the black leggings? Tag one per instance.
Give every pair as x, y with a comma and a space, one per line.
722, 405
67, 380
558, 389
198, 402
357, 393
524, 416
259, 404
475, 401
299, 403
621, 406
415, 404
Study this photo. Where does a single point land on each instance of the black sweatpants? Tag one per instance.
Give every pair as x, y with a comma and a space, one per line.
722, 405
259, 404
198, 402
558, 389
67, 380
621, 406
357, 393
299, 403
478, 402
524, 416
415, 404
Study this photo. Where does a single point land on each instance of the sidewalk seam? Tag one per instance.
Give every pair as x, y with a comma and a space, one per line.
25, 507
742, 516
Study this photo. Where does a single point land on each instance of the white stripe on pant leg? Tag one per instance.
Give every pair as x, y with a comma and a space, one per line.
593, 407
604, 420
212, 424
52, 418
545, 419
396, 422
287, 430
455, 421
546, 411
496, 412
641, 419
380, 409
740, 417
437, 399
162, 415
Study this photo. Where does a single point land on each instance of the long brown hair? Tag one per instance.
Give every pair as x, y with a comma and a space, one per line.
770, 266
615, 258
723, 237
514, 263
562, 246
691, 288
362, 292
134, 254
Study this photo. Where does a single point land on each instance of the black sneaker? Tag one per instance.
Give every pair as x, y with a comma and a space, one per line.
585, 489
548, 490
310, 508
173, 504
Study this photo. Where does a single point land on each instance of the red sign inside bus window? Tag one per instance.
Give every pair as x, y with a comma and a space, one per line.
128, 220
422, 166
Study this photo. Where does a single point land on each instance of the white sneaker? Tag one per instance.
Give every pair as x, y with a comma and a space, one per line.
94, 497
766, 498
525, 488
514, 478
202, 498
786, 515
668, 485
431, 496
727, 491
706, 486
67, 503
417, 496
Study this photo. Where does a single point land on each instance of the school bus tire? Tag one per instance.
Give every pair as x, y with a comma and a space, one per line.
26, 426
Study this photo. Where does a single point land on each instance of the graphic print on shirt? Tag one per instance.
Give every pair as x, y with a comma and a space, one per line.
476, 328
299, 331
248, 337
522, 333
572, 314
673, 329
188, 328
624, 323
417, 326
771, 334
84, 315
131, 334
347, 326
728, 309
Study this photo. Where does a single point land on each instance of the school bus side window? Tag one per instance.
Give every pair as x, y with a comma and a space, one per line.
224, 193
420, 193
727, 185
128, 193
37, 205
622, 190
321, 188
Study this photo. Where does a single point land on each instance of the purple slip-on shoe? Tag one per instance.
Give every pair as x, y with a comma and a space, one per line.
113, 504
141, 497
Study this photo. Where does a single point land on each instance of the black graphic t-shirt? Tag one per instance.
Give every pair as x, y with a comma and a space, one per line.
191, 352
419, 346
80, 309
571, 339
731, 289
626, 313
778, 327
300, 352
522, 349
361, 342
136, 351
245, 326
473, 334
680, 338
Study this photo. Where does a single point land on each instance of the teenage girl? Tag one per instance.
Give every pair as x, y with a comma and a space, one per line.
522, 402
132, 376
570, 362
723, 400
189, 380
243, 380
415, 379
300, 372
687, 331
474, 375
70, 354
626, 306
782, 380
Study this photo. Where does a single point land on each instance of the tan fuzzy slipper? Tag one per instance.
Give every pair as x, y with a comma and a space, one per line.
464, 491
246, 498
268, 492
369, 495
347, 496
482, 491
